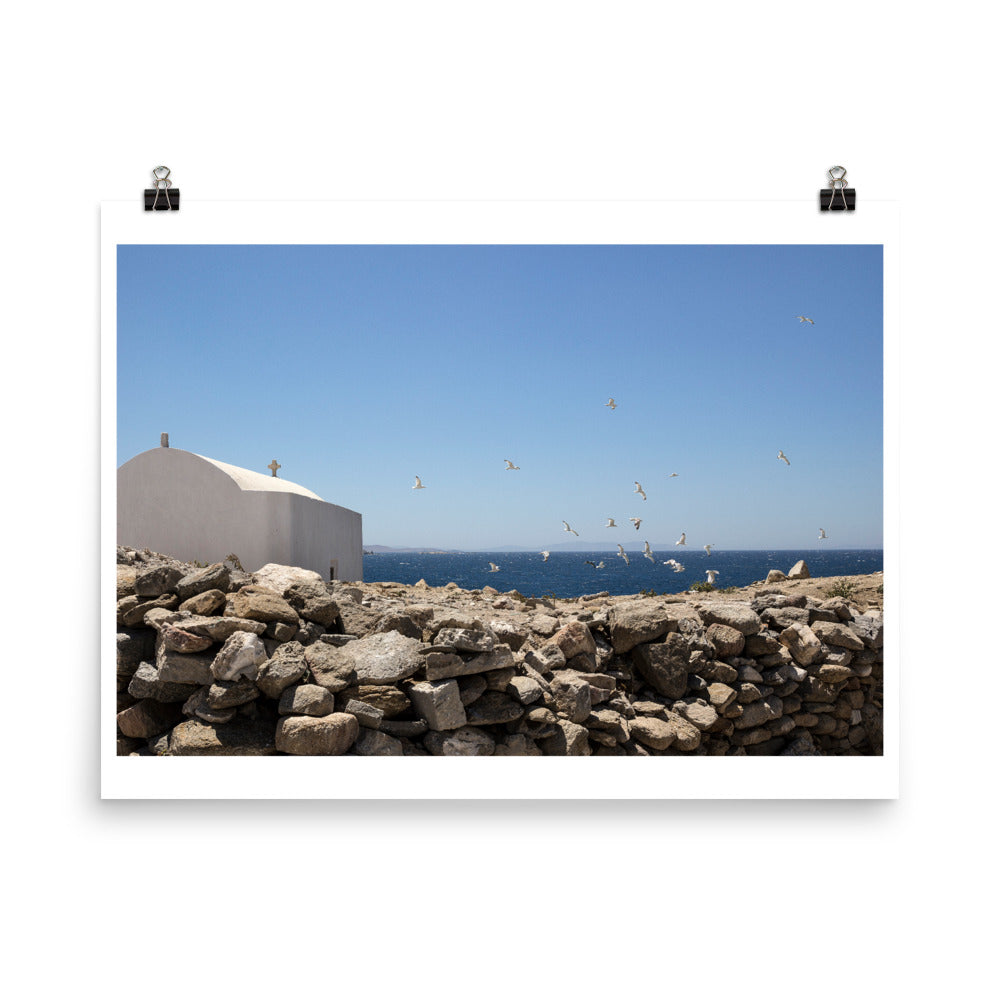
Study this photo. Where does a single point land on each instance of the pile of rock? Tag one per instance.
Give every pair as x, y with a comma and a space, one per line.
217, 661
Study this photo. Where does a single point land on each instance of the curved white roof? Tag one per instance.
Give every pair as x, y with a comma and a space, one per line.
257, 481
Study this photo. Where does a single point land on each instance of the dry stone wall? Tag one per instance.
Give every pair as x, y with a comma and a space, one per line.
212, 660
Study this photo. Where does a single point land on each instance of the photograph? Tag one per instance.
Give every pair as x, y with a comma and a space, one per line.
499, 500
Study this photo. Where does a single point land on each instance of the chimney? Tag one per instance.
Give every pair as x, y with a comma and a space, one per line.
164, 440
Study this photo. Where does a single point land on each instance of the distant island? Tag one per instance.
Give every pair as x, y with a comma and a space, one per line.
371, 550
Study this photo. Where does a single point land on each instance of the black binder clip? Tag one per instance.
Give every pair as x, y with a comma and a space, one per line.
839, 197
164, 197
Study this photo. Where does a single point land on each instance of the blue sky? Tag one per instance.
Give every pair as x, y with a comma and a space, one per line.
361, 367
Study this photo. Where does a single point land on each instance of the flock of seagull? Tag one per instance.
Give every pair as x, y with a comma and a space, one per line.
711, 574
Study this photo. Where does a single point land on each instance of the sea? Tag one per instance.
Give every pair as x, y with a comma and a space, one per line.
568, 574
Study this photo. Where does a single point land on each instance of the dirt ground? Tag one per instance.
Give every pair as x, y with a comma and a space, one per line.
865, 589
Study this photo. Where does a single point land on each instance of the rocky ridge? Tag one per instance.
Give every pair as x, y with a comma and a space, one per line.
217, 661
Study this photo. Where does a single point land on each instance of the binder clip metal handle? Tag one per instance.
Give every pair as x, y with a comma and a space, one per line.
838, 186
163, 186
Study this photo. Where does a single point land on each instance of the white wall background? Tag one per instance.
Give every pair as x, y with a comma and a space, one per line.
513, 100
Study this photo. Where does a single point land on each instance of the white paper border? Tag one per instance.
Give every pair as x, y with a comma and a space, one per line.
497, 222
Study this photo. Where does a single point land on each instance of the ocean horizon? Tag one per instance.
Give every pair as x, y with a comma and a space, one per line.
569, 574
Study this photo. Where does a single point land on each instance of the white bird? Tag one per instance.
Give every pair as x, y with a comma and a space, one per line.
611, 402
600, 565
682, 540
590, 562
781, 457
418, 485
639, 489
822, 533
636, 521
648, 553
494, 568
510, 465
804, 319
621, 552
711, 574
545, 555
708, 550
678, 568
568, 528
611, 523
673, 475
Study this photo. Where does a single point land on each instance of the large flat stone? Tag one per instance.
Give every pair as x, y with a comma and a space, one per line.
306, 736
384, 658
263, 604
146, 683
738, 616
179, 640
231, 694
657, 734
371, 743
148, 718
573, 639
306, 699
156, 580
727, 640
331, 666
802, 643
439, 704
239, 738
390, 701
569, 740
572, 695
280, 578
208, 602
438, 668
183, 668
664, 665
219, 629
636, 622
313, 602
214, 577
465, 640
286, 665
493, 708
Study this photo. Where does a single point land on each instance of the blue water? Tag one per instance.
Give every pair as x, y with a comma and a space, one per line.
566, 574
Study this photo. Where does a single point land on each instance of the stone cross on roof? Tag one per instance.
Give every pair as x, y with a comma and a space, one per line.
274, 467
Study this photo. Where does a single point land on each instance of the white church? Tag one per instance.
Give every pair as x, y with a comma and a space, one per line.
196, 508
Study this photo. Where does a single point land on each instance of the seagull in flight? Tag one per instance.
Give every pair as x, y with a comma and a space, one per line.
673, 475
678, 568
822, 533
783, 458
804, 319
648, 553
545, 555
682, 540
621, 552
494, 568
418, 485
639, 489
711, 574
636, 521
708, 550
568, 528
590, 562
611, 402
611, 523
510, 465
